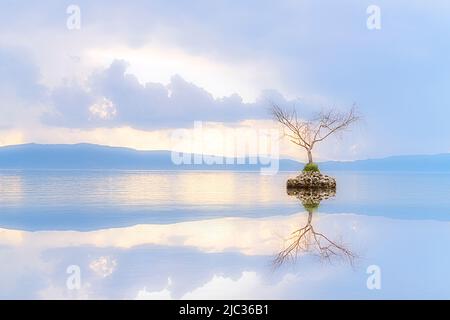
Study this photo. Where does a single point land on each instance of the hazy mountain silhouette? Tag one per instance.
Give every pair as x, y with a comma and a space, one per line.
418, 163
91, 156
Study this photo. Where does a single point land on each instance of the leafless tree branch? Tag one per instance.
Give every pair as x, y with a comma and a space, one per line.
306, 133
306, 239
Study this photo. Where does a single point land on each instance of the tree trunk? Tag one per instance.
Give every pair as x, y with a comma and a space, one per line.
310, 160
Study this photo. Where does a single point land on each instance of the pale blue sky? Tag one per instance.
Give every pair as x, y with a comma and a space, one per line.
161, 65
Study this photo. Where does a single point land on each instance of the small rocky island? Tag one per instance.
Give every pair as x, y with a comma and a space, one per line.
311, 178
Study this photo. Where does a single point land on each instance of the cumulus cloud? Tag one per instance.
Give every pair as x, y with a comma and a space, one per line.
113, 97
103, 266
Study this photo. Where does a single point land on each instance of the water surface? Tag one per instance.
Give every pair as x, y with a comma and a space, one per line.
143, 234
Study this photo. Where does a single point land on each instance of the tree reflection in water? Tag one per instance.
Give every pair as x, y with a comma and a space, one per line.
307, 239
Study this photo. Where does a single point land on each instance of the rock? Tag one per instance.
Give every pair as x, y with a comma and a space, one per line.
311, 188
311, 198
312, 180
312, 195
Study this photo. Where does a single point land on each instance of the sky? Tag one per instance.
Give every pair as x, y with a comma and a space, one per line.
131, 72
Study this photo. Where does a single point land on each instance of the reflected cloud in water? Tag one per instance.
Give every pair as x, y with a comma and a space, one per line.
225, 258
227, 230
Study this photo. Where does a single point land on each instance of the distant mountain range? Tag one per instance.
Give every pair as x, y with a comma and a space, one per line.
90, 156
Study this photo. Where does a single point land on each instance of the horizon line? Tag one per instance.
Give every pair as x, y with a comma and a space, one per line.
218, 155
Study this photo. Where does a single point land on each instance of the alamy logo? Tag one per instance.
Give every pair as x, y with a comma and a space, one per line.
74, 19
374, 280
374, 19
239, 146
73, 281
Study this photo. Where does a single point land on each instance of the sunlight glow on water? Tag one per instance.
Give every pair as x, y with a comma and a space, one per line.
136, 188
138, 234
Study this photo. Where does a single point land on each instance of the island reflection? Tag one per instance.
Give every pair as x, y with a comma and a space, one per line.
307, 239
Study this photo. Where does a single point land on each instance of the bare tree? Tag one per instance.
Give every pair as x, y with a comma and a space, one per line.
306, 133
306, 239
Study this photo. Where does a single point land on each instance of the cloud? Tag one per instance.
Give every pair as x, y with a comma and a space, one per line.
19, 75
103, 266
112, 97
20, 91
72, 107
397, 75
249, 286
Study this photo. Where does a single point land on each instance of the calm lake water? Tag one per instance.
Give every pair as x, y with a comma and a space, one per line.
187, 235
